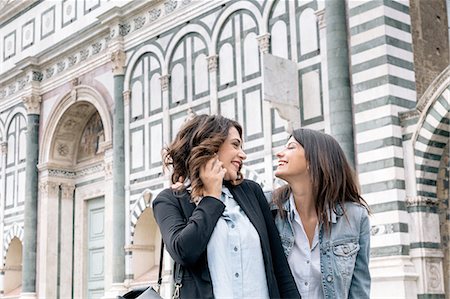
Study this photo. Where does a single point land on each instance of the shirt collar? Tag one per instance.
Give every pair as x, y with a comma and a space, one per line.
227, 192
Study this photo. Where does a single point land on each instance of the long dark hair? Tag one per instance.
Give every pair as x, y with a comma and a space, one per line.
334, 182
195, 144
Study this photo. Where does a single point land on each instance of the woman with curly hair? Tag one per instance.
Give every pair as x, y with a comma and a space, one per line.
322, 218
217, 225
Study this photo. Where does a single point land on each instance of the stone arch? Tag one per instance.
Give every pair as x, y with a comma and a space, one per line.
145, 240
266, 15
191, 28
138, 208
249, 7
137, 55
80, 97
15, 231
432, 134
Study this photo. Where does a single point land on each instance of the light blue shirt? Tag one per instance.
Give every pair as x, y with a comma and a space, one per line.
304, 260
235, 259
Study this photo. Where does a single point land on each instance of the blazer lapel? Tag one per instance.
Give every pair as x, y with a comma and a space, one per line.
250, 206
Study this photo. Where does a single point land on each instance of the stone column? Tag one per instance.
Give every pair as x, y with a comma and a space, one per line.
118, 204
3, 152
341, 116
66, 238
212, 70
32, 104
48, 237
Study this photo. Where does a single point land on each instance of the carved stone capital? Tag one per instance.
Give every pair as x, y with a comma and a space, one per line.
320, 15
4, 147
32, 104
164, 82
67, 191
49, 188
212, 63
126, 97
264, 43
118, 58
108, 169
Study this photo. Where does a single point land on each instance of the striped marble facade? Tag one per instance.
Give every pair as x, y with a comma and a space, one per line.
185, 57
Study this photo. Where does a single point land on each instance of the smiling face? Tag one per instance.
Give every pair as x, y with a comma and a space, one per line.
291, 161
231, 154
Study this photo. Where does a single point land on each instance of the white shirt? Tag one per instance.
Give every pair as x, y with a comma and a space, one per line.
303, 260
235, 259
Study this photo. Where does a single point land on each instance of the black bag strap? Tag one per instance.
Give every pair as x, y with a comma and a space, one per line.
178, 277
161, 258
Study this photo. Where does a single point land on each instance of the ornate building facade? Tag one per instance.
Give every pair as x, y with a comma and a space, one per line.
91, 91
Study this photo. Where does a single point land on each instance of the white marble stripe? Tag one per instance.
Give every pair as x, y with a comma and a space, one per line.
382, 175
376, 113
378, 12
378, 133
381, 51
428, 148
380, 153
384, 196
426, 162
366, 16
426, 188
396, 238
373, 33
382, 91
427, 135
390, 217
383, 70
426, 175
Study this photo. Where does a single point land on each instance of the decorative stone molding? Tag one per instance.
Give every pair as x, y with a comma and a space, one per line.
264, 43
126, 97
164, 82
212, 63
32, 104
170, 6
108, 169
124, 29
61, 66
4, 148
118, 58
415, 201
75, 82
139, 22
96, 48
84, 54
382, 229
434, 276
320, 15
49, 72
67, 191
62, 149
60, 173
154, 14
90, 170
72, 60
37, 76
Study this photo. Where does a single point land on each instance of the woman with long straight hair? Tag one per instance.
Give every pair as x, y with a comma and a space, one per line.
322, 219
217, 225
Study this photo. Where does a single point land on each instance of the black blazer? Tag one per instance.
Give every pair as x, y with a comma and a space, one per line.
186, 239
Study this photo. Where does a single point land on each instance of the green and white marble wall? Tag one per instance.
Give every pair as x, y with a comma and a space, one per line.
383, 85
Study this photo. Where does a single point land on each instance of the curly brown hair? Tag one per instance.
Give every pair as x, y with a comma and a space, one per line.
198, 140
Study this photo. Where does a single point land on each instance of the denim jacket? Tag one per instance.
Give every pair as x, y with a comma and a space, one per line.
344, 253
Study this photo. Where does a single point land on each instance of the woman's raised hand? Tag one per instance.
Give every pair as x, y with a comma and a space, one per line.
212, 174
